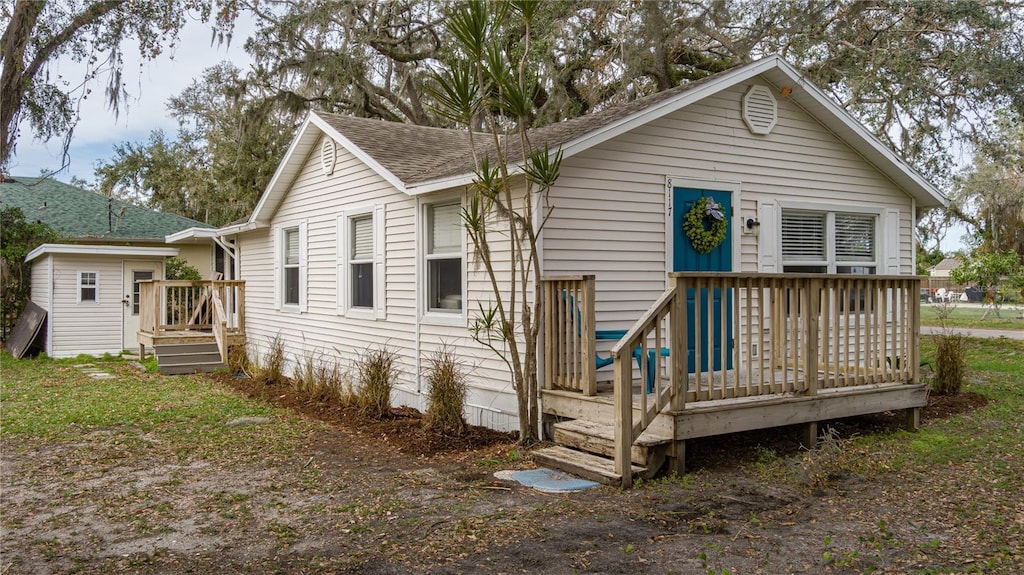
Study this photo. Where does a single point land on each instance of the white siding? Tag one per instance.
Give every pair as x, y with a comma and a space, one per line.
610, 202
320, 331
92, 328
40, 282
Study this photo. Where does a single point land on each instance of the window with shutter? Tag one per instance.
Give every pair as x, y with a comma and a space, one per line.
291, 266
361, 262
444, 258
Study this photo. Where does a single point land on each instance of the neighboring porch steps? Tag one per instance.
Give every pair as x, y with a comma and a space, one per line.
586, 449
184, 358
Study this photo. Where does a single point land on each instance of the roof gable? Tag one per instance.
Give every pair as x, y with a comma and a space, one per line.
418, 159
84, 215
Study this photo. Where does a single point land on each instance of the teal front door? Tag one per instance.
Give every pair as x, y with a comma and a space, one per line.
687, 259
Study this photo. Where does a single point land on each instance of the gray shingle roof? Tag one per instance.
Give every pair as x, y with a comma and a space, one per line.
83, 215
418, 154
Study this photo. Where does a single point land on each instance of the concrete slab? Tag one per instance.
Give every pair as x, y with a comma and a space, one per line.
546, 480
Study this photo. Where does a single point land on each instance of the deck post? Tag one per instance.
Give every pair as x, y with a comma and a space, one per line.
624, 419
678, 343
677, 457
142, 351
912, 419
809, 435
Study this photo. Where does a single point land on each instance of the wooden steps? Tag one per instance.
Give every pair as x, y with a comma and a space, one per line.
599, 439
587, 449
184, 358
581, 464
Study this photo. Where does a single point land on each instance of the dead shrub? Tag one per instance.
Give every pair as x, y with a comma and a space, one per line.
446, 396
950, 363
304, 379
268, 368
238, 358
377, 372
334, 384
829, 461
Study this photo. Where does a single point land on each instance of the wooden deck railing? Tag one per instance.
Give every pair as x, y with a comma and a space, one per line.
569, 339
720, 336
183, 305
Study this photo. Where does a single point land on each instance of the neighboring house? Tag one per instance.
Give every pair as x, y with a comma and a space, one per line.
942, 269
357, 240
88, 283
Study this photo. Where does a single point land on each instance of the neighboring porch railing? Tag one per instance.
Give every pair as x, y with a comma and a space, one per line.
184, 305
719, 336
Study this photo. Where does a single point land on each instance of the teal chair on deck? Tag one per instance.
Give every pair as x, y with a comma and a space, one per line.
616, 335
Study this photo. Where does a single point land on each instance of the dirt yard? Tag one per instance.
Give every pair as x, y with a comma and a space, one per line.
353, 496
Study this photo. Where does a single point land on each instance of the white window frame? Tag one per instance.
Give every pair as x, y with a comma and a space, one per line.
280, 257
95, 285
830, 211
439, 316
344, 227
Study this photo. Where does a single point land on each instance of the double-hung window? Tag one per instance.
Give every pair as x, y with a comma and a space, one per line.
443, 256
291, 266
361, 262
361, 278
88, 287
829, 242
290, 262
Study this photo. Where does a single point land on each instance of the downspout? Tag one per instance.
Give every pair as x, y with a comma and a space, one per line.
49, 305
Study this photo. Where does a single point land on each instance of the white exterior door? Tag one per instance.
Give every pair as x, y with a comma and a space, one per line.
134, 272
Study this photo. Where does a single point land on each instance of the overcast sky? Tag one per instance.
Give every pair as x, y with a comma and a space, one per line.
149, 84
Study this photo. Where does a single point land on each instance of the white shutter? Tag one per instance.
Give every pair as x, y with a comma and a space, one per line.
803, 237
768, 238
855, 238
379, 273
303, 246
892, 241
362, 238
278, 246
445, 233
340, 245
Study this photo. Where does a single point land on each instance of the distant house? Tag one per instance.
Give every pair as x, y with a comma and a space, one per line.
942, 269
357, 239
88, 283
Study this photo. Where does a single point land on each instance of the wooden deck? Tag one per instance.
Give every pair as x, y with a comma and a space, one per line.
757, 351
175, 312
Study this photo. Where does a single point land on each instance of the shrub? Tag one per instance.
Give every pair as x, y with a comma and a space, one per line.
268, 368
324, 381
334, 384
377, 374
446, 397
829, 461
950, 363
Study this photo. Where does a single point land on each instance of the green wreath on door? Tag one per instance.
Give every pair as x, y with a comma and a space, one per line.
705, 225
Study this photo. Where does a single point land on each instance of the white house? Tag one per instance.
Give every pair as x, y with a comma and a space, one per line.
357, 239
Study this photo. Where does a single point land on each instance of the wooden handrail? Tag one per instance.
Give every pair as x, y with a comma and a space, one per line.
186, 305
220, 326
570, 346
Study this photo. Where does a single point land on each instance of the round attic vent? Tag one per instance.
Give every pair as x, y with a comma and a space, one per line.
328, 156
760, 110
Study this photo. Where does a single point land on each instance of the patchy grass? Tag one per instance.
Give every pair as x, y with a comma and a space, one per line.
56, 401
139, 474
967, 317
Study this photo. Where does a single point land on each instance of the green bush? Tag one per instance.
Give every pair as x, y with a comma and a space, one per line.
377, 374
950, 363
446, 397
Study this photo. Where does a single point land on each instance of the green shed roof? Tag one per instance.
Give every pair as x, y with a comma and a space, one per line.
83, 215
